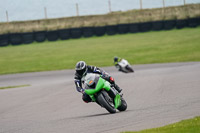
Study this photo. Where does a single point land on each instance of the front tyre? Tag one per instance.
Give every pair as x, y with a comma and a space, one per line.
106, 101
123, 105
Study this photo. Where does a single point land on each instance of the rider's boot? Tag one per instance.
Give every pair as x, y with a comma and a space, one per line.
111, 80
117, 88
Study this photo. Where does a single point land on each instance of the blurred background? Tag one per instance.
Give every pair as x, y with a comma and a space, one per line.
22, 10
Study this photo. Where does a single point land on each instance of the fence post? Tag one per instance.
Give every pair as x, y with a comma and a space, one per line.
77, 10
184, 2
45, 12
163, 3
109, 6
140, 4
7, 16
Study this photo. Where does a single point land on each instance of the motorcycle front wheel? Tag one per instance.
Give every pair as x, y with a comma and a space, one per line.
123, 105
106, 101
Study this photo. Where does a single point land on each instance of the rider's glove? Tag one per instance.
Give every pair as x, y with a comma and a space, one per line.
105, 76
82, 90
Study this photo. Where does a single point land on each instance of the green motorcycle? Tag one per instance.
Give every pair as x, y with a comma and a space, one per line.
101, 92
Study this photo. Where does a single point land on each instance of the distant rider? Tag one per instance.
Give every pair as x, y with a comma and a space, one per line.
120, 63
82, 69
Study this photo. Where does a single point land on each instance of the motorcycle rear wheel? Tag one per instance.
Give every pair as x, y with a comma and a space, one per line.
129, 69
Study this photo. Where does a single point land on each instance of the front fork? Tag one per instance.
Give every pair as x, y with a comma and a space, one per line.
116, 97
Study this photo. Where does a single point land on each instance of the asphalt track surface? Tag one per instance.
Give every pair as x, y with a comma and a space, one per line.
157, 95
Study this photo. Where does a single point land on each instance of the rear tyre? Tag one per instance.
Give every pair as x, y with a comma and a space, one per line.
106, 101
123, 105
129, 69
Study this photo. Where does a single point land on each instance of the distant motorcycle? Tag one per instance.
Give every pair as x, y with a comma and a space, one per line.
101, 92
124, 66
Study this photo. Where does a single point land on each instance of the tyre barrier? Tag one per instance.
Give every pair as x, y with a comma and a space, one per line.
4, 40
134, 28
198, 19
169, 24
181, 24
64, 34
76, 32
15, 38
144, 27
40, 36
28, 37
111, 29
157, 25
193, 22
123, 28
99, 31
88, 31
52, 35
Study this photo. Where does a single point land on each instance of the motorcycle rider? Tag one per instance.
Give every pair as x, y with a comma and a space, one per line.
116, 60
82, 69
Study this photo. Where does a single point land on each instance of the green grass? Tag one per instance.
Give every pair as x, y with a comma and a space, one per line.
141, 48
185, 126
8, 87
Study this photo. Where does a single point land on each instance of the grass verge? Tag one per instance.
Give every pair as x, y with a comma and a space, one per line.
185, 126
141, 48
8, 87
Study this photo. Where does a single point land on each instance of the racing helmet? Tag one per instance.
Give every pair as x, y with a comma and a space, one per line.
81, 68
115, 59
